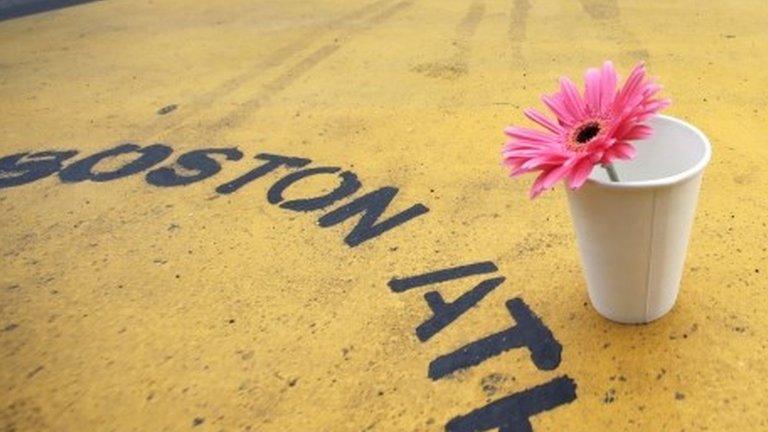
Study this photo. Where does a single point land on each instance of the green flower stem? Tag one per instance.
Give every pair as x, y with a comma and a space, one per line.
611, 172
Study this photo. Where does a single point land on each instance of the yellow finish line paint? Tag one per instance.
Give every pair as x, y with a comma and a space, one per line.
291, 216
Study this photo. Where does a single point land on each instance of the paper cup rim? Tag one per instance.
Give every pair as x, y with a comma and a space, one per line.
668, 180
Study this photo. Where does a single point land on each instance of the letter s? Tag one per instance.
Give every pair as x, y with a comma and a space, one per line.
195, 160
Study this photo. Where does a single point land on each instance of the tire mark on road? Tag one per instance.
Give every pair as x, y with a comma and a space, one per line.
517, 32
274, 59
285, 79
468, 25
601, 9
278, 84
518, 21
607, 14
388, 13
456, 65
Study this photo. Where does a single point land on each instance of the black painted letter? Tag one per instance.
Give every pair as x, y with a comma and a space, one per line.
349, 185
511, 414
372, 205
23, 168
198, 161
399, 285
273, 162
83, 169
446, 313
528, 332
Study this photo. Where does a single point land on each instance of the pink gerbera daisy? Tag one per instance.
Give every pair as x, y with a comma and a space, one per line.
594, 129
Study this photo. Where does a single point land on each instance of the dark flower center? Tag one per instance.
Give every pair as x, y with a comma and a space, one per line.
587, 132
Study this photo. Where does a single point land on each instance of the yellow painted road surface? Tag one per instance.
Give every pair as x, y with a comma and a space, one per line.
131, 302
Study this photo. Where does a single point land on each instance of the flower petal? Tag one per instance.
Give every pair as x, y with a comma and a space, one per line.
542, 120
592, 90
530, 135
572, 99
555, 175
557, 106
580, 173
638, 131
631, 88
608, 79
624, 151
537, 187
542, 161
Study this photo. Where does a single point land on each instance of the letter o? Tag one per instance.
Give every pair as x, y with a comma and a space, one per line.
349, 185
83, 169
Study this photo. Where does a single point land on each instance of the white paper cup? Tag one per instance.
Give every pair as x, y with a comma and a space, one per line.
633, 235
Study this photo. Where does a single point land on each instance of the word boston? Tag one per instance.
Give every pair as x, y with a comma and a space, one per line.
509, 414
197, 165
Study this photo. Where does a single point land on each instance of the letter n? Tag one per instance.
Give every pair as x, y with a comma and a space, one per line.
372, 205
